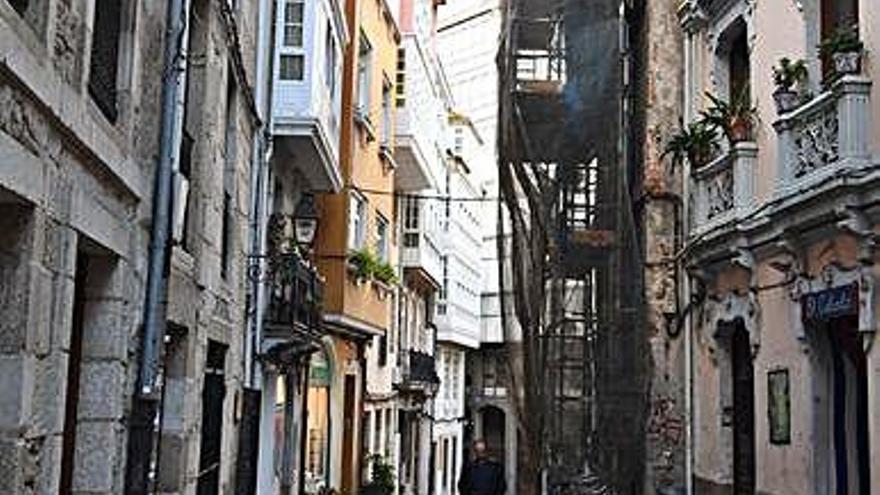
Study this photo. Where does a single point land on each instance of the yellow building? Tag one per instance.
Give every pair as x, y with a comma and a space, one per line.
356, 232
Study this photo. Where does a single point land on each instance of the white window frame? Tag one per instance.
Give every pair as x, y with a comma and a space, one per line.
364, 76
291, 50
382, 237
357, 221
330, 58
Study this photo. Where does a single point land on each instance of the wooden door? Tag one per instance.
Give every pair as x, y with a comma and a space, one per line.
348, 446
743, 414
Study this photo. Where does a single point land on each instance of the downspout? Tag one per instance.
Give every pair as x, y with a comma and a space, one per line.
686, 285
259, 200
141, 444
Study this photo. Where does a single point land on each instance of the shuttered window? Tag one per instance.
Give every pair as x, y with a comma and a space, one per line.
104, 61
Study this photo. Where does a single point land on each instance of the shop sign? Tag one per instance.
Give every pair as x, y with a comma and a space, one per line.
831, 303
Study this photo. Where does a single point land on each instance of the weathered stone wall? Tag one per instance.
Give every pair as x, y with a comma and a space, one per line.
76, 188
661, 102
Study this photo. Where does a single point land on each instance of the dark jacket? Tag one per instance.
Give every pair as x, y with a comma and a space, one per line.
482, 477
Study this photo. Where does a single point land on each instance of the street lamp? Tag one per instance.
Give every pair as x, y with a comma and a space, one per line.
305, 222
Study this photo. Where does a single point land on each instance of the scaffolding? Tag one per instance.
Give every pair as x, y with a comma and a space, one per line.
572, 252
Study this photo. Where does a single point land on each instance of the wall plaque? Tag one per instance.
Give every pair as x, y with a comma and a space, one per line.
831, 303
779, 407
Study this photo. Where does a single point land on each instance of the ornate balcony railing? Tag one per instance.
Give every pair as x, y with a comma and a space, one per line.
725, 188
419, 373
824, 136
294, 294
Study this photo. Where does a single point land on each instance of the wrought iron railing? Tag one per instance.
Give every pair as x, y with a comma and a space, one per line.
295, 293
419, 371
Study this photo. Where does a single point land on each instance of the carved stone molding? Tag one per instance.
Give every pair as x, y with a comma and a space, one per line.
728, 308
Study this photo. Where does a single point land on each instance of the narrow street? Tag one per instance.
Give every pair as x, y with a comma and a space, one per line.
439, 247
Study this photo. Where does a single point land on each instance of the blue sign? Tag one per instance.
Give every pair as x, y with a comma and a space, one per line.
831, 303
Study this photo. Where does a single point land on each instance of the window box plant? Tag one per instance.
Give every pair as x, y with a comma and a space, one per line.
845, 50
361, 264
737, 118
696, 142
384, 276
789, 77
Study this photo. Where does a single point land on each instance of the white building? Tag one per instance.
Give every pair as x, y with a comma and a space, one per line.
305, 106
473, 78
458, 308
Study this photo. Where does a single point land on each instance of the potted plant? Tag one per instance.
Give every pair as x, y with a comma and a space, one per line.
381, 477
736, 119
361, 264
845, 49
789, 77
697, 142
385, 273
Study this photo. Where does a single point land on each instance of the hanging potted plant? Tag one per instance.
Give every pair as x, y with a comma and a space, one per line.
737, 119
789, 77
844, 49
696, 142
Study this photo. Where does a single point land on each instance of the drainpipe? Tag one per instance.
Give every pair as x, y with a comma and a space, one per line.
141, 444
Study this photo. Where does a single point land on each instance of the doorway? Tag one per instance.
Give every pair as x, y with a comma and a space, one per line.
848, 374
348, 430
212, 420
743, 411
493, 428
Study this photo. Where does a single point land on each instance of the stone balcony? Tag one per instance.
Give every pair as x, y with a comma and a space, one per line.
724, 190
825, 138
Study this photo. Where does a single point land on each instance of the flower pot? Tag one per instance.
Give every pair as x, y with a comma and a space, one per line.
740, 130
847, 62
699, 157
786, 100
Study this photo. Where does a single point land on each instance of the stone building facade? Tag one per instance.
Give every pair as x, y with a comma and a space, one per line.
76, 182
781, 236
80, 85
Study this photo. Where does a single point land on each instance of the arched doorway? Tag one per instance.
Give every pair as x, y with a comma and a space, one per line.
316, 447
493, 422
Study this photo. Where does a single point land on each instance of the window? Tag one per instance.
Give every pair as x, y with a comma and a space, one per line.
381, 237
837, 15
292, 63
458, 147
364, 66
104, 59
389, 413
377, 431
330, 60
228, 178
357, 228
410, 222
386, 113
401, 78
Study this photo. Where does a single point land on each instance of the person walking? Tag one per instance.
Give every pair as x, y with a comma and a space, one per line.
483, 475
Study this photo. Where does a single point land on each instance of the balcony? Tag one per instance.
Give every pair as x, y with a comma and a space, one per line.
418, 373
421, 250
420, 121
294, 295
826, 139
306, 90
724, 190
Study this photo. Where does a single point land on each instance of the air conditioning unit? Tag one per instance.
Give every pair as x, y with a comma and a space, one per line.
180, 197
